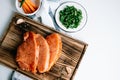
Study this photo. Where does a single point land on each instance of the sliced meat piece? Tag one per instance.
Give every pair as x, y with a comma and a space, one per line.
44, 54
55, 44
28, 53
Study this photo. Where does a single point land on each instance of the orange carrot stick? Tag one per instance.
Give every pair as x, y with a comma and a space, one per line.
26, 7
31, 8
32, 4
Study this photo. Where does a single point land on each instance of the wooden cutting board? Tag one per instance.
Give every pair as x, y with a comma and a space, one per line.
65, 68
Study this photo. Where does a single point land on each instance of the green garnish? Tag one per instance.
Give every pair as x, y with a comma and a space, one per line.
70, 17
21, 3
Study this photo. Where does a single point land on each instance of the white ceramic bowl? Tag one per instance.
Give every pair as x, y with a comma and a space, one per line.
17, 3
77, 6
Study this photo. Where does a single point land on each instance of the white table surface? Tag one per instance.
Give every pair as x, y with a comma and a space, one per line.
102, 32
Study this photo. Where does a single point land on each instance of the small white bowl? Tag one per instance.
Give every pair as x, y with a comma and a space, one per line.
77, 6
17, 3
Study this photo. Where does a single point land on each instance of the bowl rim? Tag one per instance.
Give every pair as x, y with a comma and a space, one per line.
81, 7
29, 14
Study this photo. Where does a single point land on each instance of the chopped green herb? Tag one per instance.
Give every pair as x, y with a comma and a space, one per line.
21, 3
70, 17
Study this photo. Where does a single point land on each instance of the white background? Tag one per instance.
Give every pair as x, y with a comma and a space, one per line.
102, 33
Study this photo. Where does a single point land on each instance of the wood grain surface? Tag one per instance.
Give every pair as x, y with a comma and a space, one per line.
64, 69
